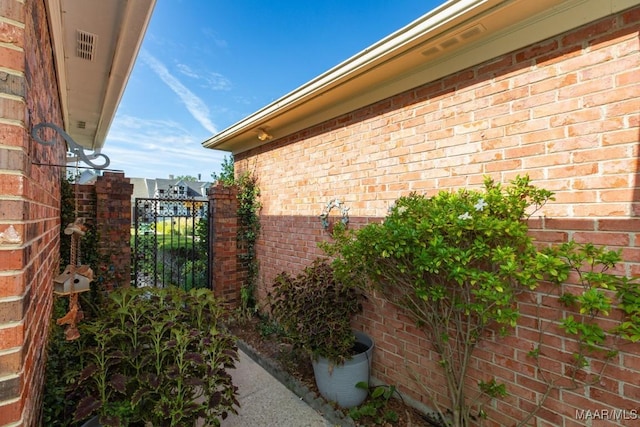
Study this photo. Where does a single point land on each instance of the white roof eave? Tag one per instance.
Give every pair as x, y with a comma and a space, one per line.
90, 90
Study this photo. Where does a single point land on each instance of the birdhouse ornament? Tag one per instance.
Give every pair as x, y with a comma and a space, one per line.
75, 279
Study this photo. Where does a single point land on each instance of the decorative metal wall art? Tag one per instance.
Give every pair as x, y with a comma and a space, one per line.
334, 203
77, 150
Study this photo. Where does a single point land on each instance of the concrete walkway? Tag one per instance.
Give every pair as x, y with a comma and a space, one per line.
266, 402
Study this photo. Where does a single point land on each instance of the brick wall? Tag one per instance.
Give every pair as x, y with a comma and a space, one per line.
29, 205
106, 205
565, 111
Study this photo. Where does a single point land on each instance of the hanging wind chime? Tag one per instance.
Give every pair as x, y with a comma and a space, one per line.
76, 277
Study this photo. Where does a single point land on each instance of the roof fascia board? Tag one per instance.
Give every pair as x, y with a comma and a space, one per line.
54, 15
137, 15
555, 22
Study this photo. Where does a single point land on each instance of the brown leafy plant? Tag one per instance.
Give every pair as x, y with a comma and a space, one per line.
315, 309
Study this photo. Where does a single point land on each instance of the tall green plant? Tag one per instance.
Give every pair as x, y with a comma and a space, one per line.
157, 356
248, 213
63, 357
455, 262
89, 242
62, 369
227, 173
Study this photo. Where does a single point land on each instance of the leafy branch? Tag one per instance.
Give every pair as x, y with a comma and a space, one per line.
587, 291
456, 263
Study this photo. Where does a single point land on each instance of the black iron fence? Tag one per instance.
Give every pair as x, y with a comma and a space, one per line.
171, 243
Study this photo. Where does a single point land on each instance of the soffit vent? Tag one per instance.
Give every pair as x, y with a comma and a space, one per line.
82, 125
85, 45
472, 32
457, 38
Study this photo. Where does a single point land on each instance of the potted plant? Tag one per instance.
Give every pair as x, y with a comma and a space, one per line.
316, 311
156, 356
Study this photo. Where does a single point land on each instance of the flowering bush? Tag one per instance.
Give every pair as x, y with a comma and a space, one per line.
455, 262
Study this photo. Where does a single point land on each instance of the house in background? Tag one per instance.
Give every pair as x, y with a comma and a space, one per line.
474, 88
64, 62
170, 189
160, 188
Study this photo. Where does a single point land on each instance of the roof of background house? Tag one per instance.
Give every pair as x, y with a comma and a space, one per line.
95, 44
452, 37
140, 188
148, 188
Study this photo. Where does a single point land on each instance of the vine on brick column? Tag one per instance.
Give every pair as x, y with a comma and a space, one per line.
248, 210
89, 243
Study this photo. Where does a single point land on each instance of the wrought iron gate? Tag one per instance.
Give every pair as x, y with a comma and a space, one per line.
171, 243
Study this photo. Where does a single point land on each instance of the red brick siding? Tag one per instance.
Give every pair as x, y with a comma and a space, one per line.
30, 200
565, 111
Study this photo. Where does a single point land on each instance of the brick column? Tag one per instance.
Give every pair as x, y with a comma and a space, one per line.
225, 269
113, 226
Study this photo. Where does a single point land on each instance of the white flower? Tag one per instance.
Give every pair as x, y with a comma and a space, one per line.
465, 216
480, 205
402, 209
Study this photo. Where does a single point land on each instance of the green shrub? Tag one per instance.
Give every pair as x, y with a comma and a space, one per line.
159, 356
455, 262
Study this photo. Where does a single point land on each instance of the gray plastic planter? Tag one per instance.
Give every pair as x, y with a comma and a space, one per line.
93, 422
338, 382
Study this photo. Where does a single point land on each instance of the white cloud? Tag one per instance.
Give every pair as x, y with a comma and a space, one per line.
217, 81
187, 71
213, 81
157, 148
211, 35
196, 107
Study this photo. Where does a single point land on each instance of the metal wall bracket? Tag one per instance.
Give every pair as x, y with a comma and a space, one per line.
72, 146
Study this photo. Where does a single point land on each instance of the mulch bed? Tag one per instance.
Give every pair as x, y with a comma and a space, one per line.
261, 342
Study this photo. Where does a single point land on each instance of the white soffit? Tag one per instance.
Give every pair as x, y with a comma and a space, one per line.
454, 36
95, 46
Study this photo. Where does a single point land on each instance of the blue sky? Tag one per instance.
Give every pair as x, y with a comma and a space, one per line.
207, 64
